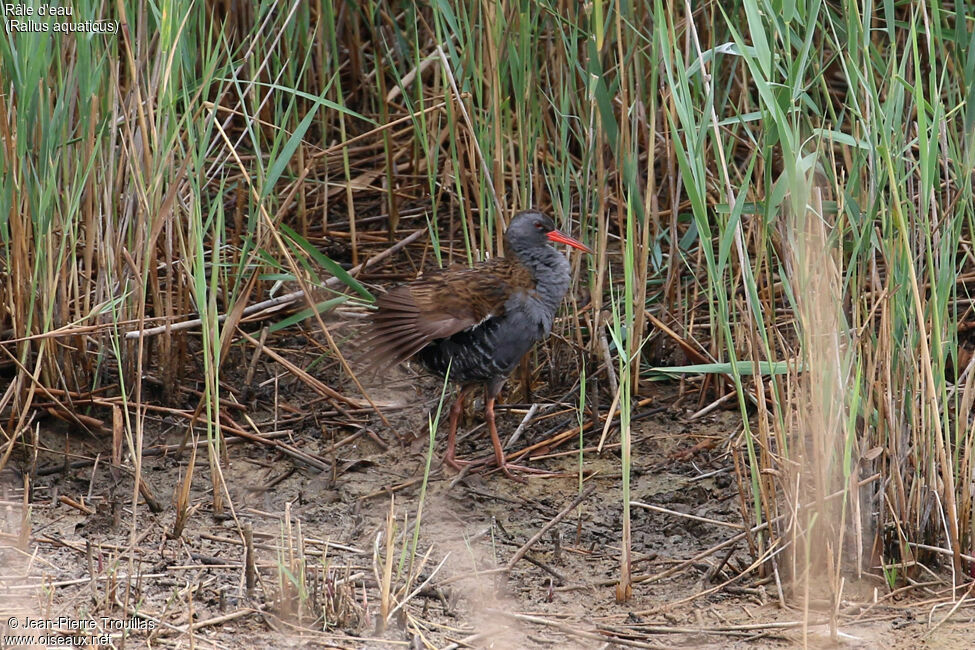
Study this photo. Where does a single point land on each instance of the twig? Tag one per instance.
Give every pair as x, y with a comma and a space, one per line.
485, 168
703, 554
280, 301
574, 632
954, 609
272, 303
608, 360
77, 505
421, 587
467, 641
666, 629
546, 568
161, 450
648, 506
521, 427
942, 551
391, 489
582, 496
306, 378
272, 547
572, 433
252, 367
117, 579
716, 568
285, 448
770, 552
713, 405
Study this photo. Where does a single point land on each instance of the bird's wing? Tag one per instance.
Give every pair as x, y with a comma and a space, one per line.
439, 305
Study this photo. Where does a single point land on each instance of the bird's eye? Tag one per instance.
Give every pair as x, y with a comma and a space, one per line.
538, 225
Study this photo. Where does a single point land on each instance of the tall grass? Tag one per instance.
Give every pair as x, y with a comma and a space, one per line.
776, 183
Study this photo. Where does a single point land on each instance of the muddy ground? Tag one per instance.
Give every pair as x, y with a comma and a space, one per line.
320, 539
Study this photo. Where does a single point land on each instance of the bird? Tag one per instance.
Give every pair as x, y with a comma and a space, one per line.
473, 325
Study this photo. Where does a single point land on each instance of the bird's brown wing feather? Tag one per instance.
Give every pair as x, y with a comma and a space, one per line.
440, 305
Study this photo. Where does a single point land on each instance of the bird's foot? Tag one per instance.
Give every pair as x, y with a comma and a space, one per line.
460, 465
509, 470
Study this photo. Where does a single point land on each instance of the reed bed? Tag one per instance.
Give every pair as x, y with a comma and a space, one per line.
779, 197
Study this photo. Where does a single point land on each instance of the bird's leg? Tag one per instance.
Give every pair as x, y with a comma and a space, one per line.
455, 412
490, 394
498, 451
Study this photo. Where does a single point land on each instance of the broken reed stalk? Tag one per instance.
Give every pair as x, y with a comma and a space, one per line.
825, 444
386, 580
181, 498
250, 561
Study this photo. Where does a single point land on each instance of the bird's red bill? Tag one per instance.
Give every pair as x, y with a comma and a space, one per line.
562, 238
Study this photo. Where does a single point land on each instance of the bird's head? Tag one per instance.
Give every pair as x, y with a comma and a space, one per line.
531, 229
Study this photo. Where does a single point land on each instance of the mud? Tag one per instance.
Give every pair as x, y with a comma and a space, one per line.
322, 539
